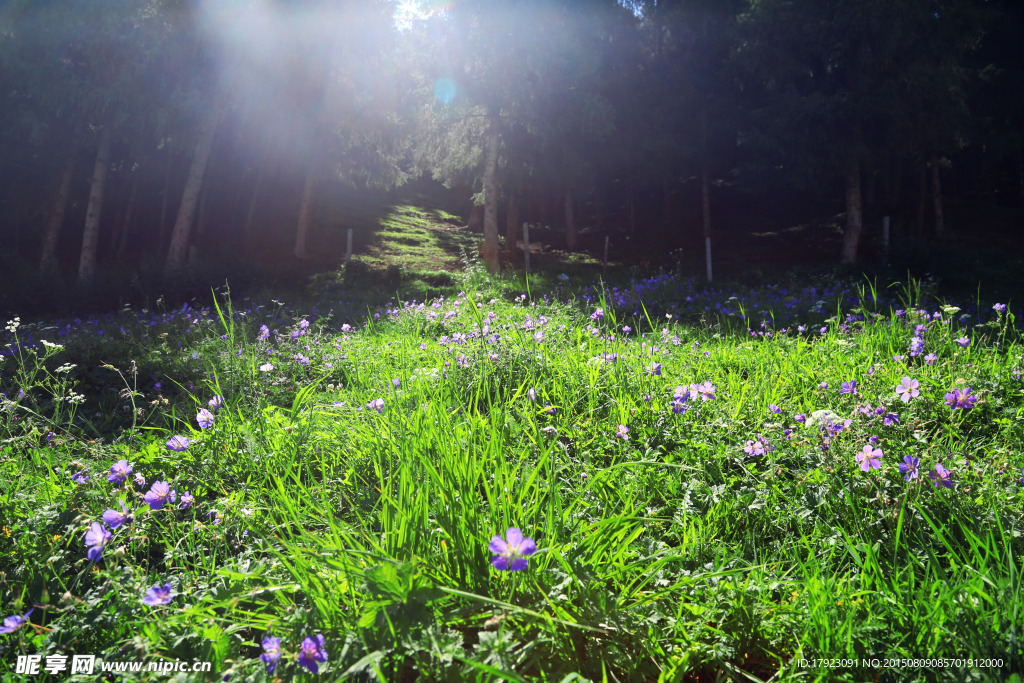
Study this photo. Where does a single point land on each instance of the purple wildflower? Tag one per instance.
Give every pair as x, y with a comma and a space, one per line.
823, 386
961, 399
140, 480
550, 410
186, 500
627, 329
177, 443
908, 388
622, 432
376, 404
898, 358
396, 383
999, 308
964, 342
313, 650
13, 623
870, 458
916, 347
909, 467
158, 595
115, 519
706, 390
774, 408
271, 653
264, 333
848, 387
891, 419
119, 472
941, 477
654, 369
801, 418
930, 359
216, 403
205, 418
597, 315
80, 478
159, 494
511, 553
531, 394
95, 538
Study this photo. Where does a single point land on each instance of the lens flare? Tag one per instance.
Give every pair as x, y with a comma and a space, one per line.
445, 90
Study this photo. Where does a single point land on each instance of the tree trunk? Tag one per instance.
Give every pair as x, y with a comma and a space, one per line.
666, 204
937, 195
18, 210
204, 212
490, 250
570, 225
126, 226
886, 181
922, 195
90, 236
851, 236
178, 250
897, 184
256, 191
869, 191
163, 207
705, 190
986, 174
598, 216
305, 211
123, 182
632, 213
511, 223
476, 216
1020, 174
48, 260
237, 202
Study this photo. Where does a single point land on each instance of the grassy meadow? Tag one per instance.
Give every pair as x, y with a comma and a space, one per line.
713, 483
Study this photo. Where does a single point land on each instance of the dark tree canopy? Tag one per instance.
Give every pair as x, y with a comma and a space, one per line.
168, 130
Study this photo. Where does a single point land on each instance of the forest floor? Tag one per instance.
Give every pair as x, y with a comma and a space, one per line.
420, 229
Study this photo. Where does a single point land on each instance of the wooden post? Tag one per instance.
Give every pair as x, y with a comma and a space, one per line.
605, 269
707, 255
526, 246
348, 248
885, 241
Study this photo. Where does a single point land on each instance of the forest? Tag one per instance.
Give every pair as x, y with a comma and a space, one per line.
150, 135
549, 341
